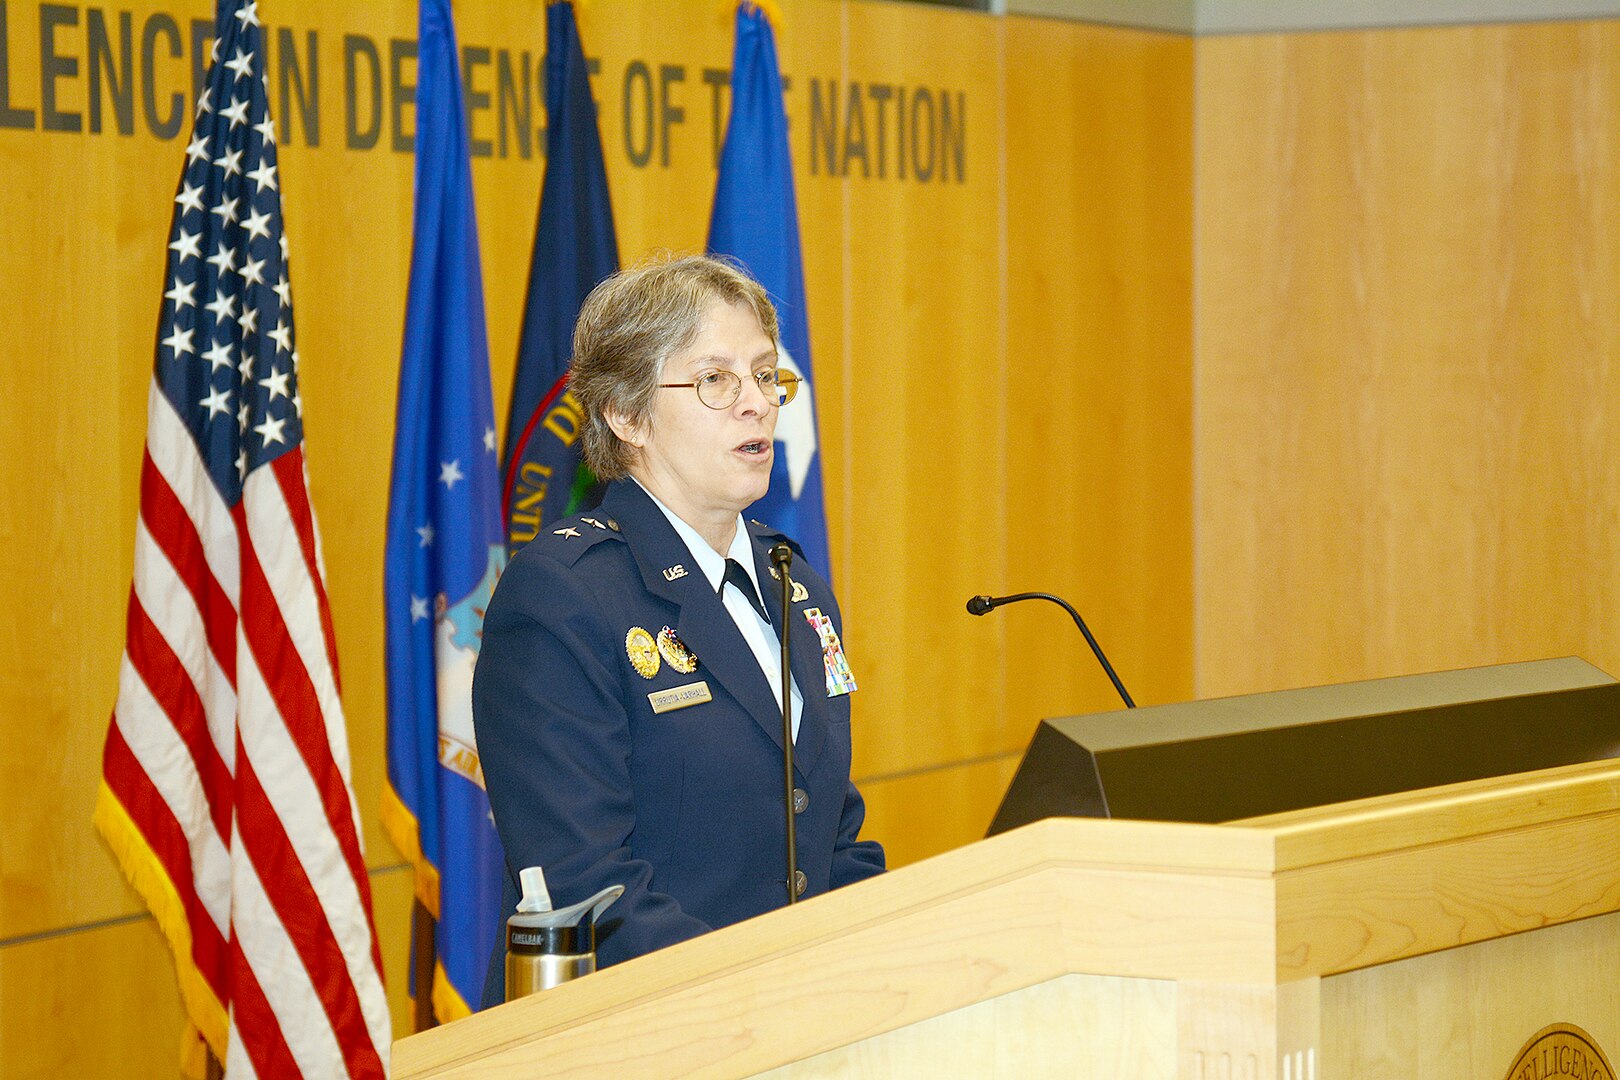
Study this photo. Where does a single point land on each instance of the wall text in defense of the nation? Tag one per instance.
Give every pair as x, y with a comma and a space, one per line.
101, 71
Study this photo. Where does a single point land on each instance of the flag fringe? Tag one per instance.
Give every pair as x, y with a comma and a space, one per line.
448, 1003
194, 1053
148, 878
402, 828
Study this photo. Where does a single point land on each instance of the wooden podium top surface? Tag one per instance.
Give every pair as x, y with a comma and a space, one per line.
1308, 893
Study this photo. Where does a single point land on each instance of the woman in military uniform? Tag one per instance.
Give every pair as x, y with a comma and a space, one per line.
627, 695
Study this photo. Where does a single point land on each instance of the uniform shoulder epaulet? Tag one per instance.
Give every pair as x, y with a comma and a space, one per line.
765, 532
570, 538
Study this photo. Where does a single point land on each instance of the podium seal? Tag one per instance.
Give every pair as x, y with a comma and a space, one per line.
1561, 1051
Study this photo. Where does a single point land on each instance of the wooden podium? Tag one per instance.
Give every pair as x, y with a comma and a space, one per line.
1429, 934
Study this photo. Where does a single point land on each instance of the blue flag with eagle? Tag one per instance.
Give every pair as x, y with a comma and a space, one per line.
756, 221
444, 546
574, 248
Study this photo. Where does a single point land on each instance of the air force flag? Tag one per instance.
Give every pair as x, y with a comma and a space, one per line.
444, 548
756, 221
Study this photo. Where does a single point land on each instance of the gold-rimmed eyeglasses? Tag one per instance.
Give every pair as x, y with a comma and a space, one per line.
720, 389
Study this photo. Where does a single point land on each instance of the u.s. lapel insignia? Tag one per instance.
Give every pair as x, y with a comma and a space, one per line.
568, 532
840, 680
674, 650
638, 645
674, 573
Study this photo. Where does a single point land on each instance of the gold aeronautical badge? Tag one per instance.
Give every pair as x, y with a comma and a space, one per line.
674, 650
638, 645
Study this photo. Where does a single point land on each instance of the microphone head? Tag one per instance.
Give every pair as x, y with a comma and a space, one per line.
781, 555
979, 605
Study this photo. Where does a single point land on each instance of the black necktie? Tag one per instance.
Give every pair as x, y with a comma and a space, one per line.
736, 575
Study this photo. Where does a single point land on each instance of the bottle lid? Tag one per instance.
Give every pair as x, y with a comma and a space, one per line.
536, 897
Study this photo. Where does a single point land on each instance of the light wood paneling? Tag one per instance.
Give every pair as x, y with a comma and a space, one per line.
98, 1003
1355, 332
925, 501
81, 270
1405, 383
1078, 1027
392, 896
898, 353
921, 814
1465, 1013
1354, 914
1098, 376
894, 951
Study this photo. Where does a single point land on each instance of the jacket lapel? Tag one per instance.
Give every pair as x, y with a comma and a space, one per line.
704, 624
808, 670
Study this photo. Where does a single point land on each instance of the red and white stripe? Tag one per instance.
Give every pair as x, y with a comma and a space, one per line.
229, 753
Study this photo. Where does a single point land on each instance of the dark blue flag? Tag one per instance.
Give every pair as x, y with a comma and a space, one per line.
756, 221
444, 547
574, 248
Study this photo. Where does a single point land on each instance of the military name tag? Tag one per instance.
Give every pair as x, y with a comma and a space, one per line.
679, 697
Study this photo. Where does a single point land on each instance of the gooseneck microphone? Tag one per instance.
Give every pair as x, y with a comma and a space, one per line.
782, 560
980, 605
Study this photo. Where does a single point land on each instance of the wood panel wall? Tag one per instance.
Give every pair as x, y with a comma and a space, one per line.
1285, 358
1406, 385
963, 327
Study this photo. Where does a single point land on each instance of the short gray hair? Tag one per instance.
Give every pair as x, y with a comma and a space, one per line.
630, 326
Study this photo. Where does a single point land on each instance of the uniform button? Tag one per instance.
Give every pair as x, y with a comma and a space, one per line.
800, 883
801, 800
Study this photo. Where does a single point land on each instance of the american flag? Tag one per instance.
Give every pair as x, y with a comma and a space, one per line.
226, 792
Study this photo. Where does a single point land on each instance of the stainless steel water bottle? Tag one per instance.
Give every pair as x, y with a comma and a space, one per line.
545, 947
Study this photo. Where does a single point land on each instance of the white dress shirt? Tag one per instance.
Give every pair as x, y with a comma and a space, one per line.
756, 630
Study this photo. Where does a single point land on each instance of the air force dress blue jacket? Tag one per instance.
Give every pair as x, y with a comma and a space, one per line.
628, 735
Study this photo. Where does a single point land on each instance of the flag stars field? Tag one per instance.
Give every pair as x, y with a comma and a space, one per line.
229, 204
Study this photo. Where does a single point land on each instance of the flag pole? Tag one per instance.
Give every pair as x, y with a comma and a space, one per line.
425, 956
